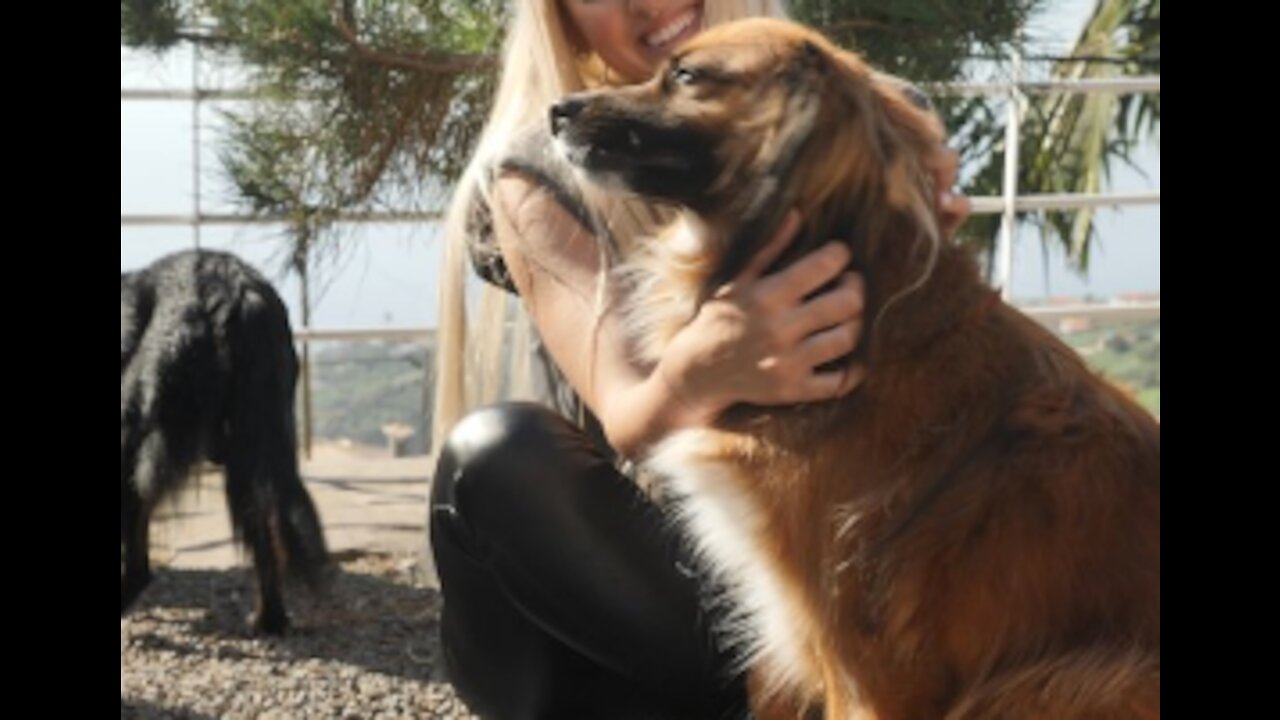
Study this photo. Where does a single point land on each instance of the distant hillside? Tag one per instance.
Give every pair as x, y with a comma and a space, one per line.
1128, 354
359, 387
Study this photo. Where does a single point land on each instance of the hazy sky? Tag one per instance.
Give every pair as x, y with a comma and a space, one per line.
386, 277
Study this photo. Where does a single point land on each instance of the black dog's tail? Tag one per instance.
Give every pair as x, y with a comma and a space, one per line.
270, 508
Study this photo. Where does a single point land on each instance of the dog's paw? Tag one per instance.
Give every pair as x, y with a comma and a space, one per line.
274, 623
130, 589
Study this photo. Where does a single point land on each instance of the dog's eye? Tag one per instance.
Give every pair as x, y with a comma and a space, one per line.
684, 76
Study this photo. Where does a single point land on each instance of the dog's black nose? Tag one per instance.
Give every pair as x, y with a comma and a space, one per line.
564, 111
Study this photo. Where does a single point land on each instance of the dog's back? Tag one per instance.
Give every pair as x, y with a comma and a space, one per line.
207, 372
978, 532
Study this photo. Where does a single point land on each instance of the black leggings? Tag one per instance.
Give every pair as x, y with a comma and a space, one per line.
567, 594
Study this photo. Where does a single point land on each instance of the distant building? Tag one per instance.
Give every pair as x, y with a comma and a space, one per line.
1074, 324
1133, 298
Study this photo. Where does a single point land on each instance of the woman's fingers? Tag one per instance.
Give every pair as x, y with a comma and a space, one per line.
830, 344
806, 275
952, 208
773, 250
840, 304
832, 384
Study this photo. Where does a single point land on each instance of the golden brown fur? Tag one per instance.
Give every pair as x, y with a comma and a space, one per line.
973, 533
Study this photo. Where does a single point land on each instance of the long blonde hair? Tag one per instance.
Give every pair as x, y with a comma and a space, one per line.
491, 361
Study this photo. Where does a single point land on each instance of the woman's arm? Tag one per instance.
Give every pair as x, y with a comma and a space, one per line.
757, 340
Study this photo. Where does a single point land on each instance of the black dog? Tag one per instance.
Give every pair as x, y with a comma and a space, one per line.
207, 372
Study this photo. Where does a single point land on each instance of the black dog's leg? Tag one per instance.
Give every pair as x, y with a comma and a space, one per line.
134, 520
280, 523
253, 505
269, 616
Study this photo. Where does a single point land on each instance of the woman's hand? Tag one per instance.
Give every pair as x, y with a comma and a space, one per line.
758, 339
952, 207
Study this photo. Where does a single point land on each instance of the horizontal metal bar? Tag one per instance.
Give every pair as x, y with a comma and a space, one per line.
241, 219
1114, 311
990, 204
1124, 85
186, 94
981, 204
410, 334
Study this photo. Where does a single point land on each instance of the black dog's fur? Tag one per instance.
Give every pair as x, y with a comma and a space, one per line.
207, 372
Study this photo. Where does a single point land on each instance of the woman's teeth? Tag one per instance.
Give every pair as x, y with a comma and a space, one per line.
672, 29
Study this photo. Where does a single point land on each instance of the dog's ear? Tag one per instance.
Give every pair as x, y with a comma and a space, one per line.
898, 124
813, 56
809, 67
913, 132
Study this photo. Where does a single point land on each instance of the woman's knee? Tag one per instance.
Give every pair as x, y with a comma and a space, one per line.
491, 460
494, 444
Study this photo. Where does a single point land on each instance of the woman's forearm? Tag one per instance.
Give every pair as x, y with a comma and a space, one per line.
637, 415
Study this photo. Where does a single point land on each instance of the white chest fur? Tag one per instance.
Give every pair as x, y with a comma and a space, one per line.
765, 623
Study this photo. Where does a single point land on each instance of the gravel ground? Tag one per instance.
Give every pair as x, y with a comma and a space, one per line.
365, 651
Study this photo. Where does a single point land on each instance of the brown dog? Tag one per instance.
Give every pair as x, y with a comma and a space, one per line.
974, 532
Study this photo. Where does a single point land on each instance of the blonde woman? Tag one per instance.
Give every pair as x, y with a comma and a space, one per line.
566, 592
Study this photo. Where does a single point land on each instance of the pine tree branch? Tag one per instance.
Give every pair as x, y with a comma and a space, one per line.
433, 62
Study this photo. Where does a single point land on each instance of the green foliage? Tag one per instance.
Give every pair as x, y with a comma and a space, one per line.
358, 106
363, 105
1128, 355
149, 24
923, 40
1070, 141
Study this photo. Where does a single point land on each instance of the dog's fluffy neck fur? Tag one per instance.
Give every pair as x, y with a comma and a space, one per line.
907, 275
